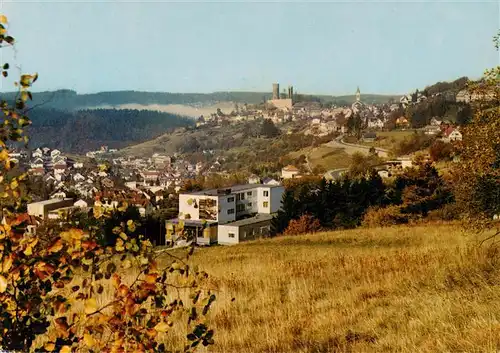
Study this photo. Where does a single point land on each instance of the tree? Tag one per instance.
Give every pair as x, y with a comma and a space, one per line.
45, 276
304, 225
477, 176
440, 150
268, 129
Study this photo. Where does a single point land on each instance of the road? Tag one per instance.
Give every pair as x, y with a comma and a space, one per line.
352, 148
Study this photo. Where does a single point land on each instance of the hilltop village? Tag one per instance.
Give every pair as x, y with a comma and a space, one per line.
161, 183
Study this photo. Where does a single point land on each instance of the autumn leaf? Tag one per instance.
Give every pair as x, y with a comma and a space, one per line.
7, 263
90, 306
3, 19
49, 346
65, 349
28, 251
56, 246
116, 280
89, 340
3, 284
161, 327
126, 264
151, 278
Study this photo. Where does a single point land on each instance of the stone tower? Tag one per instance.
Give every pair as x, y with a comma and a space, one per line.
276, 91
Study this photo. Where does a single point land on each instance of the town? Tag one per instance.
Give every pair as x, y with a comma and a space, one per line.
104, 177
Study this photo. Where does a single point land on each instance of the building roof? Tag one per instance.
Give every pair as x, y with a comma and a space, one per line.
229, 190
49, 202
291, 168
260, 217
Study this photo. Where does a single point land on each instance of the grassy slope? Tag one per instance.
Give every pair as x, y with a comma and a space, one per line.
323, 155
388, 139
405, 289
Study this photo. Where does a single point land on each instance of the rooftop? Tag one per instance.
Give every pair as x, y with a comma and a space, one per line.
50, 202
229, 190
259, 217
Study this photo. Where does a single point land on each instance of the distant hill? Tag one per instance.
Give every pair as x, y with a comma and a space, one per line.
85, 130
71, 100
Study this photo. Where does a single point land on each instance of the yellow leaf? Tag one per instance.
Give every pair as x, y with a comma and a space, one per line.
90, 306
56, 246
3, 284
3, 19
89, 340
123, 236
28, 251
49, 346
7, 263
65, 349
126, 264
14, 184
162, 327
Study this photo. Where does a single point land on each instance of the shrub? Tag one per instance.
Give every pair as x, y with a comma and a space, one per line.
440, 151
304, 225
448, 212
384, 217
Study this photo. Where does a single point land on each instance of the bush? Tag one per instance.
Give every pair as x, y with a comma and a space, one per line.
441, 151
304, 225
384, 217
448, 212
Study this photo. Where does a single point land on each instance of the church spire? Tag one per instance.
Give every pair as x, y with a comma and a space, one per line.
358, 95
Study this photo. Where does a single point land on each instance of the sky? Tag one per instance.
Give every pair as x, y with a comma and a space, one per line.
202, 46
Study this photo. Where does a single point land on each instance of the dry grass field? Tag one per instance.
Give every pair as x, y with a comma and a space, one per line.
325, 156
402, 289
388, 139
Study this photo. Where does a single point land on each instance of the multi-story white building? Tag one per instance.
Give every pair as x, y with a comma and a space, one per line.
208, 212
229, 204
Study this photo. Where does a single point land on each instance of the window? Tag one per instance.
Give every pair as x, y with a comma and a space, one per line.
237, 197
242, 196
240, 208
266, 193
265, 204
249, 193
230, 211
230, 235
249, 205
230, 199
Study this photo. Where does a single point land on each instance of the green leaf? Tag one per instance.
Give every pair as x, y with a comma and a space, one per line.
6, 66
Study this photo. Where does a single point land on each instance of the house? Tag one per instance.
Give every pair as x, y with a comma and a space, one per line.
452, 134
37, 163
435, 122
253, 179
203, 212
432, 129
80, 204
384, 173
270, 181
226, 205
55, 153
78, 177
244, 230
37, 153
78, 165
402, 122
42, 208
369, 137
290, 172
376, 124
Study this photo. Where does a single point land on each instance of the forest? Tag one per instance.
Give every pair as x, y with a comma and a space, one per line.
86, 130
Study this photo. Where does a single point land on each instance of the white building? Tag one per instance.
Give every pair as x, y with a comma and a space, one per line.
244, 211
289, 172
42, 208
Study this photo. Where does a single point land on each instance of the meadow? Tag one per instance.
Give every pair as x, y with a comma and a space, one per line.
427, 288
